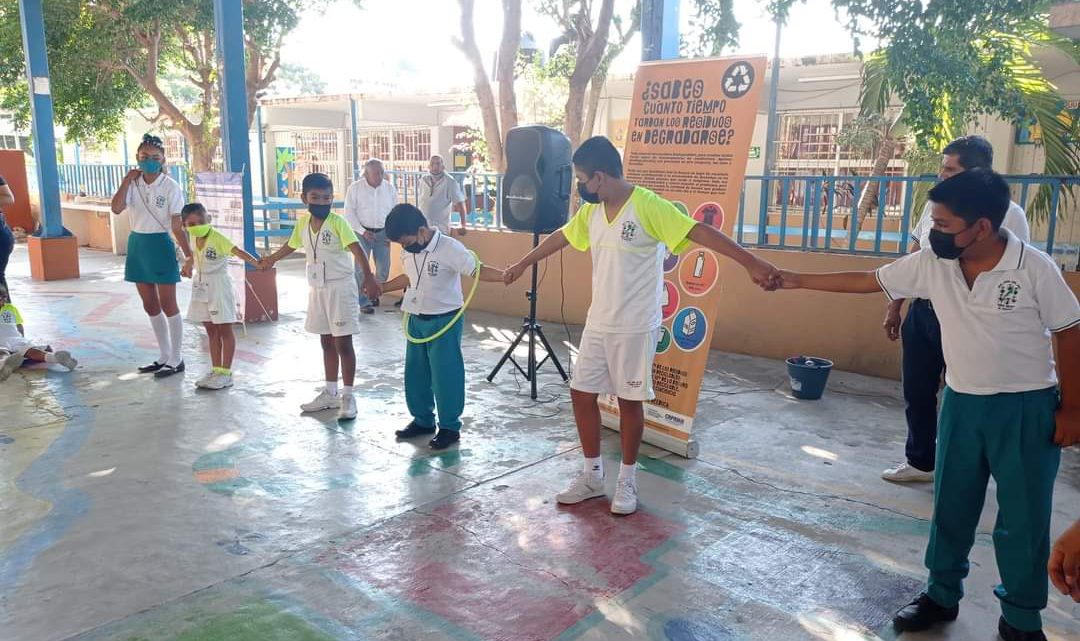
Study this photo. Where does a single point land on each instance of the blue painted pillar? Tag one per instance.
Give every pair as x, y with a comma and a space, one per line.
355, 141
229, 26
262, 150
659, 29
41, 111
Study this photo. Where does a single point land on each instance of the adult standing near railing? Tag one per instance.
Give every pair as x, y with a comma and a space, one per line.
153, 200
367, 202
7, 238
440, 195
922, 360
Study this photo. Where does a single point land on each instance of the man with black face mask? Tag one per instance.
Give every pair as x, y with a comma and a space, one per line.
923, 362
1004, 414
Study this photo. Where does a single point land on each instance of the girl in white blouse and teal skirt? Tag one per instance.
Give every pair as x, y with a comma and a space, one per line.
153, 201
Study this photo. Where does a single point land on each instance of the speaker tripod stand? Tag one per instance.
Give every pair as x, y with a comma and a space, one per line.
534, 331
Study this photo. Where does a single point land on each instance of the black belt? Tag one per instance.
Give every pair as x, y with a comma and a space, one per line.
435, 316
372, 229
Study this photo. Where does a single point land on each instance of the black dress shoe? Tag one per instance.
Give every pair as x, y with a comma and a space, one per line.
1010, 633
444, 439
151, 368
414, 430
922, 614
168, 370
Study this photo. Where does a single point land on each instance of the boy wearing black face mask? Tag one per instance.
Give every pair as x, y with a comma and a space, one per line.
332, 250
433, 264
998, 300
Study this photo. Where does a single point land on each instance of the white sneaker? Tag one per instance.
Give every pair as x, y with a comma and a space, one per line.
625, 501
583, 487
219, 381
905, 473
66, 359
10, 364
201, 383
324, 401
348, 408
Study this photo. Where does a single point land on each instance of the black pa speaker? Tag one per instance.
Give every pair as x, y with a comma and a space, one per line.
536, 186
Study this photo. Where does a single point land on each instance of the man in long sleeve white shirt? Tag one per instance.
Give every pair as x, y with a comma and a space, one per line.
367, 202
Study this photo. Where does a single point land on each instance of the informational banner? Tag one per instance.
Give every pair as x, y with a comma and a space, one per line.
223, 196
688, 140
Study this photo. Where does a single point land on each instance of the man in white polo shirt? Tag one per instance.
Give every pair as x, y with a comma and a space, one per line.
1003, 414
432, 265
923, 362
367, 202
626, 229
440, 194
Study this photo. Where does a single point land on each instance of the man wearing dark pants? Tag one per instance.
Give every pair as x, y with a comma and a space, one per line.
923, 362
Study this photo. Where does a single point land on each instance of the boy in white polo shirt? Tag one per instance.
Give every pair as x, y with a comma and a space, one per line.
433, 265
626, 228
331, 250
1001, 415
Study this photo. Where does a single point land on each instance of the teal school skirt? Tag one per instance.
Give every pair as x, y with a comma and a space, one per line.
151, 258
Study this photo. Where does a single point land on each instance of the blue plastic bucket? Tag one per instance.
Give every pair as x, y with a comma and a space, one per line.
808, 375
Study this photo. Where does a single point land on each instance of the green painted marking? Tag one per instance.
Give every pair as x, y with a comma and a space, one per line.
254, 622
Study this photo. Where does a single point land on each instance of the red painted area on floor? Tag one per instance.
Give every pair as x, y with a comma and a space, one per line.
523, 570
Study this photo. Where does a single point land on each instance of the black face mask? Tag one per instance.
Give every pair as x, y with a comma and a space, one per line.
944, 245
416, 247
586, 195
319, 211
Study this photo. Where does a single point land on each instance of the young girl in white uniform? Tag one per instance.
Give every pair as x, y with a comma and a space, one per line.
213, 300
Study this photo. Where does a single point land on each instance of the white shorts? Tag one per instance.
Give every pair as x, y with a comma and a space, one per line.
220, 306
334, 308
619, 364
18, 346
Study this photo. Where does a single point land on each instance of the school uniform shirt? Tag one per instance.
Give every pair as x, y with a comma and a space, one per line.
996, 335
214, 255
1015, 221
329, 245
366, 207
628, 258
438, 194
435, 275
151, 207
9, 322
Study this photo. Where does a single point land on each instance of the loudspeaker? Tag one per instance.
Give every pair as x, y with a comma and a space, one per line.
536, 185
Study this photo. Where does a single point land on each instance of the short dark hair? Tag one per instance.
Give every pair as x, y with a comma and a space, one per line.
972, 152
404, 220
598, 154
192, 208
974, 194
316, 181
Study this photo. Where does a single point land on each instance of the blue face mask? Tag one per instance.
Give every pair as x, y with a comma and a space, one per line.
150, 166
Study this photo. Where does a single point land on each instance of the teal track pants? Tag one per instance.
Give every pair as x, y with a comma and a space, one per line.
1009, 437
435, 373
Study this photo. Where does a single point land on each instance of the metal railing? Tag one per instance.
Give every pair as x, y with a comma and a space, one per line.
818, 213
102, 181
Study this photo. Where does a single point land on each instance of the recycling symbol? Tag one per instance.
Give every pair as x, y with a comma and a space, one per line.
738, 79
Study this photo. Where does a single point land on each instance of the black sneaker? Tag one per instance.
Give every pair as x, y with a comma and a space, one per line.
413, 430
922, 614
168, 370
151, 368
367, 309
375, 303
444, 439
1010, 633
398, 302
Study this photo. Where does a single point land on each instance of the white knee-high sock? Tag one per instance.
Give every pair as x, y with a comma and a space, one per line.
176, 338
161, 332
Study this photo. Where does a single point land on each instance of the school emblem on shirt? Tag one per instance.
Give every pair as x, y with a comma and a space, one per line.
433, 269
629, 230
7, 317
1008, 293
327, 237
211, 253
159, 201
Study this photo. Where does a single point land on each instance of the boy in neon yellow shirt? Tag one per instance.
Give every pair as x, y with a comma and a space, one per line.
626, 228
213, 300
15, 349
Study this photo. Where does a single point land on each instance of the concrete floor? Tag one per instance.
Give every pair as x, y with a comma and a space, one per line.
135, 509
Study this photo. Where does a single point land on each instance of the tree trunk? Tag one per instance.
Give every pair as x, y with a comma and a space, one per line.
484, 94
596, 90
589, 56
868, 201
504, 71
